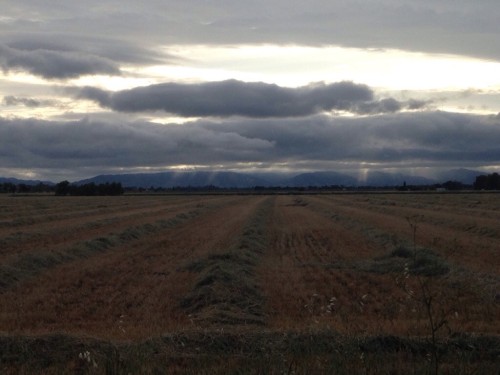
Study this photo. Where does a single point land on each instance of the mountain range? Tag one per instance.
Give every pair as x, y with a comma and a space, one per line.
223, 179
246, 180
17, 181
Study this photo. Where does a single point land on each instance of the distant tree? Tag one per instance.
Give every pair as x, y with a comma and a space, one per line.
494, 181
86, 189
114, 188
487, 182
41, 188
62, 188
454, 185
24, 188
8, 187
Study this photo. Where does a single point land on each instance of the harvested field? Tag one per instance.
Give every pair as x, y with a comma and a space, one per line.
277, 283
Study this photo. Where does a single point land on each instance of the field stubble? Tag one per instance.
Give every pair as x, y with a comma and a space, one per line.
274, 283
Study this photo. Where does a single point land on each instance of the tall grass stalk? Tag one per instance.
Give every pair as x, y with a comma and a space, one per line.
429, 299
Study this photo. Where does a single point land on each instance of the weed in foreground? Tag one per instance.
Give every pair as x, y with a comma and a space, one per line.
256, 352
426, 268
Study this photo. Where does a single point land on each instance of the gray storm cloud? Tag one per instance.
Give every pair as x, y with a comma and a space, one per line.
236, 98
30, 102
415, 139
54, 64
112, 50
11, 100
461, 27
240, 121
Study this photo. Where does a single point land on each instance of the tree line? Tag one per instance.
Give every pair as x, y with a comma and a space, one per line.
65, 188
11, 188
482, 182
487, 182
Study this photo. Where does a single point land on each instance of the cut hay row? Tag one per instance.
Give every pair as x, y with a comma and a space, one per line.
333, 269
392, 229
132, 289
226, 291
256, 284
303, 288
482, 223
35, 249
21, 267
85, 223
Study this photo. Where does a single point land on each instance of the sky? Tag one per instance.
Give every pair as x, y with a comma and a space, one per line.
100, 87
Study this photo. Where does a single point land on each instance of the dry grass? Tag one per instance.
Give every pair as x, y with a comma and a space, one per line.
267, 284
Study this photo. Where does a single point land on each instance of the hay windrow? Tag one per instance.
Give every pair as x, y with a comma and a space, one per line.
226, 292
29, 265
298, 284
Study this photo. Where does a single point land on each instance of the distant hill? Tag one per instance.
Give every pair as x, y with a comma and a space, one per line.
378, 179
245, 180
17, 181
173, 179
221, 179
321, 179
465, 176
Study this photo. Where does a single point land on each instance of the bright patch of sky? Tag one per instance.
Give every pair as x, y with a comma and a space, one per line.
299, 65
467, 81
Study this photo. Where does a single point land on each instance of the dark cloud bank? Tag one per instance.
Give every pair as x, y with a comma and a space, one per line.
54, 64
254, 99
408, 139
244, 122
11, 100
448, 26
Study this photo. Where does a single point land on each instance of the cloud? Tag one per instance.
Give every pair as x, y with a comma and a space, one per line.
402, 139
414, 104
14, 100
389, 105
236, 98
254, 99
382, 106
31, 143
412, 138
458, 27
54, 64
113, 49
244, 121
